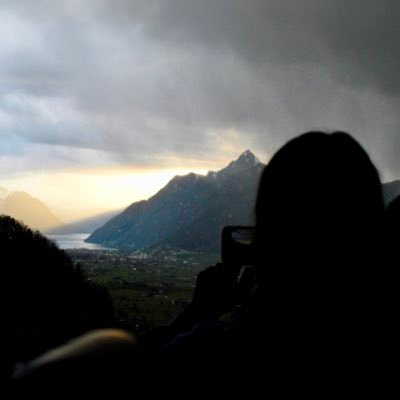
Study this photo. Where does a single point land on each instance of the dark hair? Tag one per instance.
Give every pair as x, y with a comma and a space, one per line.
321, 188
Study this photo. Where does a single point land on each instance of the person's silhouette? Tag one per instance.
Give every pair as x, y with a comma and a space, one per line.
319, 212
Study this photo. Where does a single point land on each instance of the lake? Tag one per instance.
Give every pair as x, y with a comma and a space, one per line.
75, 241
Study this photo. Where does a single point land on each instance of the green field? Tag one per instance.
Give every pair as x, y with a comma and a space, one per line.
146, 291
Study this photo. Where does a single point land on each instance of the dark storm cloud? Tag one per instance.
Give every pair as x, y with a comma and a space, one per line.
161, 77
332, 64
357, 38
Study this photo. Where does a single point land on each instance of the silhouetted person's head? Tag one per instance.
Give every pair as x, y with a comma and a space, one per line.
319, 196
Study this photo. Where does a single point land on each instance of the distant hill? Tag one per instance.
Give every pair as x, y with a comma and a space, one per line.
189, 212
391, 190
85, 225
34, 213
31, 211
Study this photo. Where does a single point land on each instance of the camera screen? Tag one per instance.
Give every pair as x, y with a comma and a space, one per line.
243, 235
236, 244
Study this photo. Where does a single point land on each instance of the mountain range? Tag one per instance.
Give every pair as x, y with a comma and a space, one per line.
391, 190
85, 225
189, 212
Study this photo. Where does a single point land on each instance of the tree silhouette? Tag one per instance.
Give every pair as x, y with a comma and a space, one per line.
42, 292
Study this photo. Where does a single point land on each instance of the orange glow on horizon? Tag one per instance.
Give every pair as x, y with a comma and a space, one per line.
82, 192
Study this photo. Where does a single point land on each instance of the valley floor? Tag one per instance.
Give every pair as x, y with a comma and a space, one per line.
148, 289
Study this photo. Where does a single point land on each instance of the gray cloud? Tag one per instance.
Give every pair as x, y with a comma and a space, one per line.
142, 79
357, 39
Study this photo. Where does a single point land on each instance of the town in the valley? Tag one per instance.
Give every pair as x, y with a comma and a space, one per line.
149, 288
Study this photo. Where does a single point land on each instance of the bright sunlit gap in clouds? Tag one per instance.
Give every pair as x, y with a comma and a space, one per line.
76, 182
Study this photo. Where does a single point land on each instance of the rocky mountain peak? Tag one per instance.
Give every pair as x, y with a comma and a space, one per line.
245, 161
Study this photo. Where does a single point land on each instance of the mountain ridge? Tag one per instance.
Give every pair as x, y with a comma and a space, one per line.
203, 203
84, 225
391, 190
190, 203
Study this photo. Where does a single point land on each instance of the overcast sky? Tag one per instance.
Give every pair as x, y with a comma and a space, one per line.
92, 85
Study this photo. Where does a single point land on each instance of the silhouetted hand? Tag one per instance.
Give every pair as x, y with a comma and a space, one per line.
215, 291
